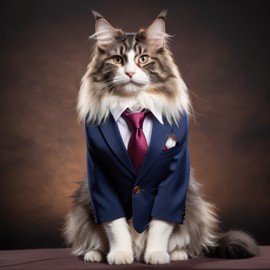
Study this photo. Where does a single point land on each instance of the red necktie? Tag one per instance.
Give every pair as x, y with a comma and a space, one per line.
137, 145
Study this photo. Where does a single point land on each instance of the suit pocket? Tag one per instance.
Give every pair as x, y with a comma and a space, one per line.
169, 154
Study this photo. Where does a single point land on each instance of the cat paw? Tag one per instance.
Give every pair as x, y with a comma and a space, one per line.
178, 255
93, 256
120, 257
157, 257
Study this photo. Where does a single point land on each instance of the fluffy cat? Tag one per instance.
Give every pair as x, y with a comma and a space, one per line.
137, 71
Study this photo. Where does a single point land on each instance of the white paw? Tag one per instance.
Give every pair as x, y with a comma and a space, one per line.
157, 257
179, 255
120, 257
93, 256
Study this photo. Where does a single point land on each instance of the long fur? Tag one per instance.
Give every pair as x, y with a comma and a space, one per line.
169, 96
200, 234
96, 108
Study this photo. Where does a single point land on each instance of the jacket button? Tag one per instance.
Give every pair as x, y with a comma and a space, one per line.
136, 190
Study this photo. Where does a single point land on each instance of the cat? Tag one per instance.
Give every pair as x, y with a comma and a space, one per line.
137, 71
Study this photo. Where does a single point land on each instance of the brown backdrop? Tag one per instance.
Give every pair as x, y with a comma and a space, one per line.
222, 50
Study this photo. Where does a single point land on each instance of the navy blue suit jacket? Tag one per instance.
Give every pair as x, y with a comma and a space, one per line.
163, 177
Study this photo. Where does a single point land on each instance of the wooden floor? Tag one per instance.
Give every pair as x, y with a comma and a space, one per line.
61, 259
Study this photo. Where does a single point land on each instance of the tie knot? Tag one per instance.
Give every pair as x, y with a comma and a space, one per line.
135, 119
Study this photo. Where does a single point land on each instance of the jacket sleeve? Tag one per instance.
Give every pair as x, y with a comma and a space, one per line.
105, 200
169, 203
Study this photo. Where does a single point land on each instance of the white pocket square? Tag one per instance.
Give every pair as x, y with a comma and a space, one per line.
171, 142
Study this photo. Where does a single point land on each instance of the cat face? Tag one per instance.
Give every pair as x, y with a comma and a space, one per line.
129, 63
127, 66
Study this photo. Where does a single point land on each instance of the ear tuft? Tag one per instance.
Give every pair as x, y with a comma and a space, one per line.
162, 15
97, 15
155, 33
105, 33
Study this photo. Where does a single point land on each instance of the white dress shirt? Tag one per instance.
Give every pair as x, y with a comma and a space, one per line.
124, 130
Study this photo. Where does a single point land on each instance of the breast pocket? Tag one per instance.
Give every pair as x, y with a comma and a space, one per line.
167, 155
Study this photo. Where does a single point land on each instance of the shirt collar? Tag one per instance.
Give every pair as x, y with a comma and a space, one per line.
117, 112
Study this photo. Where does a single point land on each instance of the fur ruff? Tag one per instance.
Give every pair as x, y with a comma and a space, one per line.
95, 108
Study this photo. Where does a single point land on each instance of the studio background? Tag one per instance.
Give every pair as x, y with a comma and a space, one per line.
222, 50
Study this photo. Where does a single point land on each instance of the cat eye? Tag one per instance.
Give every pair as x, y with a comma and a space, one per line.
143, 59
118, 60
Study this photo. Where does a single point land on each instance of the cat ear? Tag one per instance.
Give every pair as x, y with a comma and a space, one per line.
105, 32
155, 33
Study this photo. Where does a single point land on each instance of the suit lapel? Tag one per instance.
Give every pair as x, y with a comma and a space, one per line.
114, 140
158, 140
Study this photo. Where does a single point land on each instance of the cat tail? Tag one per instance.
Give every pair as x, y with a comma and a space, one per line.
234, 245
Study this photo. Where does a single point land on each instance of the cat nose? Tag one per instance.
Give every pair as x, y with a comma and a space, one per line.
130, 74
